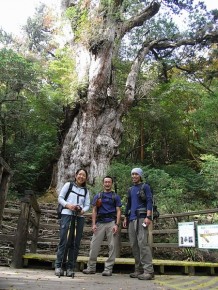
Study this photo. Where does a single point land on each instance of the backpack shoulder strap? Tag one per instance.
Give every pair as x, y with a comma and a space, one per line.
69, 190
129, 191
142, 193
114, 194
86, 190
143, 185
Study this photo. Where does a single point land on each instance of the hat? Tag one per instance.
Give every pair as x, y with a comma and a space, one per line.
138, 171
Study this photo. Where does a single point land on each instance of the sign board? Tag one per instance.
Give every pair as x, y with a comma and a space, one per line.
207, 236
186, 233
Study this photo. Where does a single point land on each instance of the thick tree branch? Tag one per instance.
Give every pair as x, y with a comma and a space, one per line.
207, 37
160, 44
139, 19
133, 75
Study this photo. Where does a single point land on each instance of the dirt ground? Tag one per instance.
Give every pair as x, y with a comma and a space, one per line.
35, 279
45, 279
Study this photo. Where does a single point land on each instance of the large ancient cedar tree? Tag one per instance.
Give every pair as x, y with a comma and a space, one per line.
99, 26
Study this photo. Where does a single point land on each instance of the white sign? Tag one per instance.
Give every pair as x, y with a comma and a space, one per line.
186, 234
208, 236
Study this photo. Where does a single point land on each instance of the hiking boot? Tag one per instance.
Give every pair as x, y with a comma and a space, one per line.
69, 273
88, 271
59, 272
107, 273
135, 274
146, 276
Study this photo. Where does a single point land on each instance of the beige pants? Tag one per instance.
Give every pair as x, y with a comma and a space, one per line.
97, 238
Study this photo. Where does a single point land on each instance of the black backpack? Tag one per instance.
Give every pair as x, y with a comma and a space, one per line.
60, 207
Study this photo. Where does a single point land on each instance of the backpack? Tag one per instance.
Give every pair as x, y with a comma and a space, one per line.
142, 197
99, 200
60, 206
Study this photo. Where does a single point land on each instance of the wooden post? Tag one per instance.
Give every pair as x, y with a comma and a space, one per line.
35, 222
5, 174
150, 235
4, 181
118, 246
21, 234
33, 246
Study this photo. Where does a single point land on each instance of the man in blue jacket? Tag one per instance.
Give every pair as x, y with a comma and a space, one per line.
138, 217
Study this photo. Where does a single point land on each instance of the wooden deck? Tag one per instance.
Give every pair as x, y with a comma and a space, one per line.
161, 266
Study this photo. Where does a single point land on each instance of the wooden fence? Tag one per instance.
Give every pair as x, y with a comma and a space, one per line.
33, 235
23, 228
5, 175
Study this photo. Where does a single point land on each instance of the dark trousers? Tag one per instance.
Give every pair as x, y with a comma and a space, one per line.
68, 252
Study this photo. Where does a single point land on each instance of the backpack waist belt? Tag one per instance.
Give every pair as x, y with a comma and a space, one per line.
102, 216
141, 212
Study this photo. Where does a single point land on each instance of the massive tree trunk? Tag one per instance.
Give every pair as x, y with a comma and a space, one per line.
94, 135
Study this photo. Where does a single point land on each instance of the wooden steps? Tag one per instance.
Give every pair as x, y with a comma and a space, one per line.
161, 266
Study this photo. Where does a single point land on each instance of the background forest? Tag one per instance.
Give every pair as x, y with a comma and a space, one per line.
170, 131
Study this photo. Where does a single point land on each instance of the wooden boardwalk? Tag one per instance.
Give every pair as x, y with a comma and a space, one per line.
161, 266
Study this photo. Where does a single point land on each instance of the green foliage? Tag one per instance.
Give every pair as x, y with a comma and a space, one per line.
38, 30
209, 170
28, 123
205, 120
77, 17
17, 75
32, 152
177, 187
5, 38
81, 26
16, 71
178, 120
63, 78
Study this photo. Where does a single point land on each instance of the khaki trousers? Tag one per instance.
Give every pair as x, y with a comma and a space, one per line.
97, 239
138, 237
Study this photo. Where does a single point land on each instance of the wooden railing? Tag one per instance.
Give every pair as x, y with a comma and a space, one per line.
180, 217
29, 217
31, 234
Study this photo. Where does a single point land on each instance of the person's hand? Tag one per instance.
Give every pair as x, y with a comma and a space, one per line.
125, 223
115, 229
81, 212
78, 208
94, 228
70, 206
147, 221
74, 207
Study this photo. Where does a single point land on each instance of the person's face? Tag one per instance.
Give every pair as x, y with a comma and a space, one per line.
107, 184
136, 178
80, 177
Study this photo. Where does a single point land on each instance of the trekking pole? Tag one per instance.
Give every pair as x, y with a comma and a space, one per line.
63, 262
78, 209
74, 243
71, 230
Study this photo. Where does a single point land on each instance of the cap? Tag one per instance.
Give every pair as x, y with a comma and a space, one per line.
138, 171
